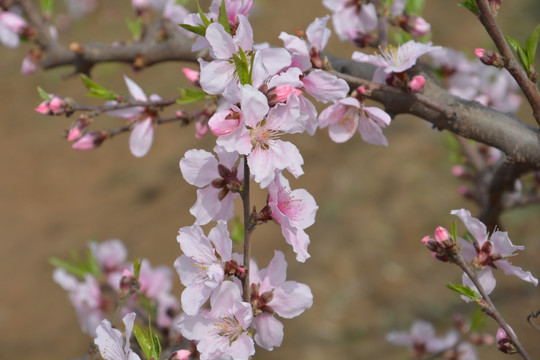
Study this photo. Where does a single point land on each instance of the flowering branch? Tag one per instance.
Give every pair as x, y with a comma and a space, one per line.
528, 87
248, 228
489, 308
518, 140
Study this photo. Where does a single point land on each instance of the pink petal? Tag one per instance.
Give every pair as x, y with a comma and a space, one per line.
141, 137
135, 90
269, 331
324, 86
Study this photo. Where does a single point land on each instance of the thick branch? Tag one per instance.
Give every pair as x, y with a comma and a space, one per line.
528, 87
518, 140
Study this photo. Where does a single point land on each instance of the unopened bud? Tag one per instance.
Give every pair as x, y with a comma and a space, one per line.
139, 63
180, 355
193, 76
78, 128
90, 141
416, 84
200, 129
460, 172
442, 235
489, 57
504, 344
415, 25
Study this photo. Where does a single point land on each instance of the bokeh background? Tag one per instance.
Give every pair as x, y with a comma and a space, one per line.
368, 271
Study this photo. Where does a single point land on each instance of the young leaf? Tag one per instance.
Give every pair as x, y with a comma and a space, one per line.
47, 5
43, 94
202, 15
144, 341
222, 17
97, 90
514, 44
70, 268
453, 231
478, 320
135, 27
188, 96
524, 58
414, 7
465, 291
237, 233
241, 69
93, 265
199, 30
532, 42
155, 343
136, 268
470, 5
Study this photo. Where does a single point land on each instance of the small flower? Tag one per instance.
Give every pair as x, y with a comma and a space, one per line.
202, 266
422, 339
347, 115
222, 332
110, 342
488, 253
11, 26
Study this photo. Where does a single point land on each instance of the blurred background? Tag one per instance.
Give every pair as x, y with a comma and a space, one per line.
369, 272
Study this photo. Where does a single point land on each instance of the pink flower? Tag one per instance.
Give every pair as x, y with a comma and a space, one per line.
272, 294
201, 267
192, 75
142, 133
11, 26
352, 19
90, 141
85, 297
347, 115
222, 332
417, 83
110, 342
294, 211
110, 255
393, 59
219, 182
487, 253
422, 339
181, 355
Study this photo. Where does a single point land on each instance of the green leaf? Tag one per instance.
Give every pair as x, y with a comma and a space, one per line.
135, 27
465, 291
93, 265
43, 94
147, 345
532, 42
188, 96
222, 17
47, 5
70, 268
470, 5
237, 233
199, 30
97, 90
202, 15
136, 267
414, 7
242, 67
156, 344
514, 44
453, 231
522, 54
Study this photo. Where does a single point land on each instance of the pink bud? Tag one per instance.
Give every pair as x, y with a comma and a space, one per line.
425, 240
28, 66
192, 75
501, 335
420, 27
479, 52
459, 171
74, 134
224, 122
362, 90
57, 105
42, 108
441, 234
126, 272
181, 355
283, 92
90, 141
417, 83
78, 128
200, 130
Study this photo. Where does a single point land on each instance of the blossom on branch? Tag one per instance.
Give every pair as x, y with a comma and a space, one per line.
487, 253
11, 27
110, 343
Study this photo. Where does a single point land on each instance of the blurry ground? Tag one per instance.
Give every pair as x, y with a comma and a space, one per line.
368, 271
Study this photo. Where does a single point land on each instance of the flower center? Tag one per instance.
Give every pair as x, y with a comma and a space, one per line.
229, 328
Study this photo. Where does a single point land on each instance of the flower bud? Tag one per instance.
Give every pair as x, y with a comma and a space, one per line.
180, 355
504, 344
442, 235
42, 108
224, 122
415, 25
416, 84
489, 57
77, 129
193, 76
90, 141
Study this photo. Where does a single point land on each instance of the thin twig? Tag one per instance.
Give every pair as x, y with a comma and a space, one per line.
528, 87
247, 231
489, 308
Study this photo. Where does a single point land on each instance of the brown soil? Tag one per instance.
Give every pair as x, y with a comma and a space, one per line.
368, 271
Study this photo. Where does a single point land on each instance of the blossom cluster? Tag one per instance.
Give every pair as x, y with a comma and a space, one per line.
97, 286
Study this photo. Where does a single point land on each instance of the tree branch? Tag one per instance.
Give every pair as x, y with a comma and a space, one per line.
528, 87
